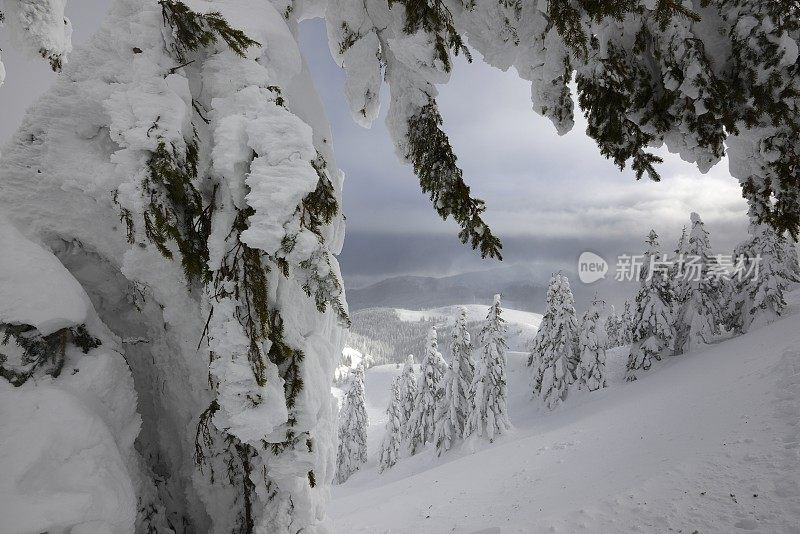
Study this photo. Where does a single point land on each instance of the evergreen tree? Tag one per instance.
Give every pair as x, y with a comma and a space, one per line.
788, 256
192, 150
393, 439
555, 352
592, 343
702, 292
760, 279
455, 405
429, 394
39, 29
678, 273
626, 326
353, 424
489, 392
653, 332
408, 394
613, 328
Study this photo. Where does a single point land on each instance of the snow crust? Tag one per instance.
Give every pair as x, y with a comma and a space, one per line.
66, 450
35, 288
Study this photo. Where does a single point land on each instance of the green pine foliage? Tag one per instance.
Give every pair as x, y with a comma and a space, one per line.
435, 164
176, 211
434, 17
38, 354
607, 99
193, 31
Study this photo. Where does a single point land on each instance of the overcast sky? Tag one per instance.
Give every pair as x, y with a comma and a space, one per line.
549, 198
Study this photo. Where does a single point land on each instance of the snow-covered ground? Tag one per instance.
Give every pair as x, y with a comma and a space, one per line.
706, 442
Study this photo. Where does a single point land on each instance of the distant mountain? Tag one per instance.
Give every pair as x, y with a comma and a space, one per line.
517, 285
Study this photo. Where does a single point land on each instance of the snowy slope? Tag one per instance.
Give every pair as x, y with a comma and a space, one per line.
708, 442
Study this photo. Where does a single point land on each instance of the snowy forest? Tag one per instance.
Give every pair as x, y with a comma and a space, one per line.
177, 354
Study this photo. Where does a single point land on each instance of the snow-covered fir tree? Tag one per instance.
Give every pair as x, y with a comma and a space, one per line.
408, 393
677, 272
392, 444
626, 326
592, 343
613, 328
653, 333
192, 184
489, 391
455, 405
554, 357
421, 423
702, 293
39, 29
789, 258
760, 278
353, 424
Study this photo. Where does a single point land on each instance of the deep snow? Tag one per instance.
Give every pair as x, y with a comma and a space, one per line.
707, 442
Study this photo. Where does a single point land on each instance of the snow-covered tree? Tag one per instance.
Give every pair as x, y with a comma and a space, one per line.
592, 343
489, 392
392, 443
421, 423
677, 272
626, 326
183, 170
353, 424
702, 293
408, 394
788, 257
691, 75
39, 29
613, 328
760, 277
555, 352
653, 332
455, 405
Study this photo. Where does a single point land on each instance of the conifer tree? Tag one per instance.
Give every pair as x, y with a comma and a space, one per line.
613, 324
702, 293
653, 332
592, 343
677, 272
408, 394
392, 443
626, 327
759, 280
181, 164
428, 395
555, 352
489, 391
455, 405
353, 424
788, 257
39, 29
